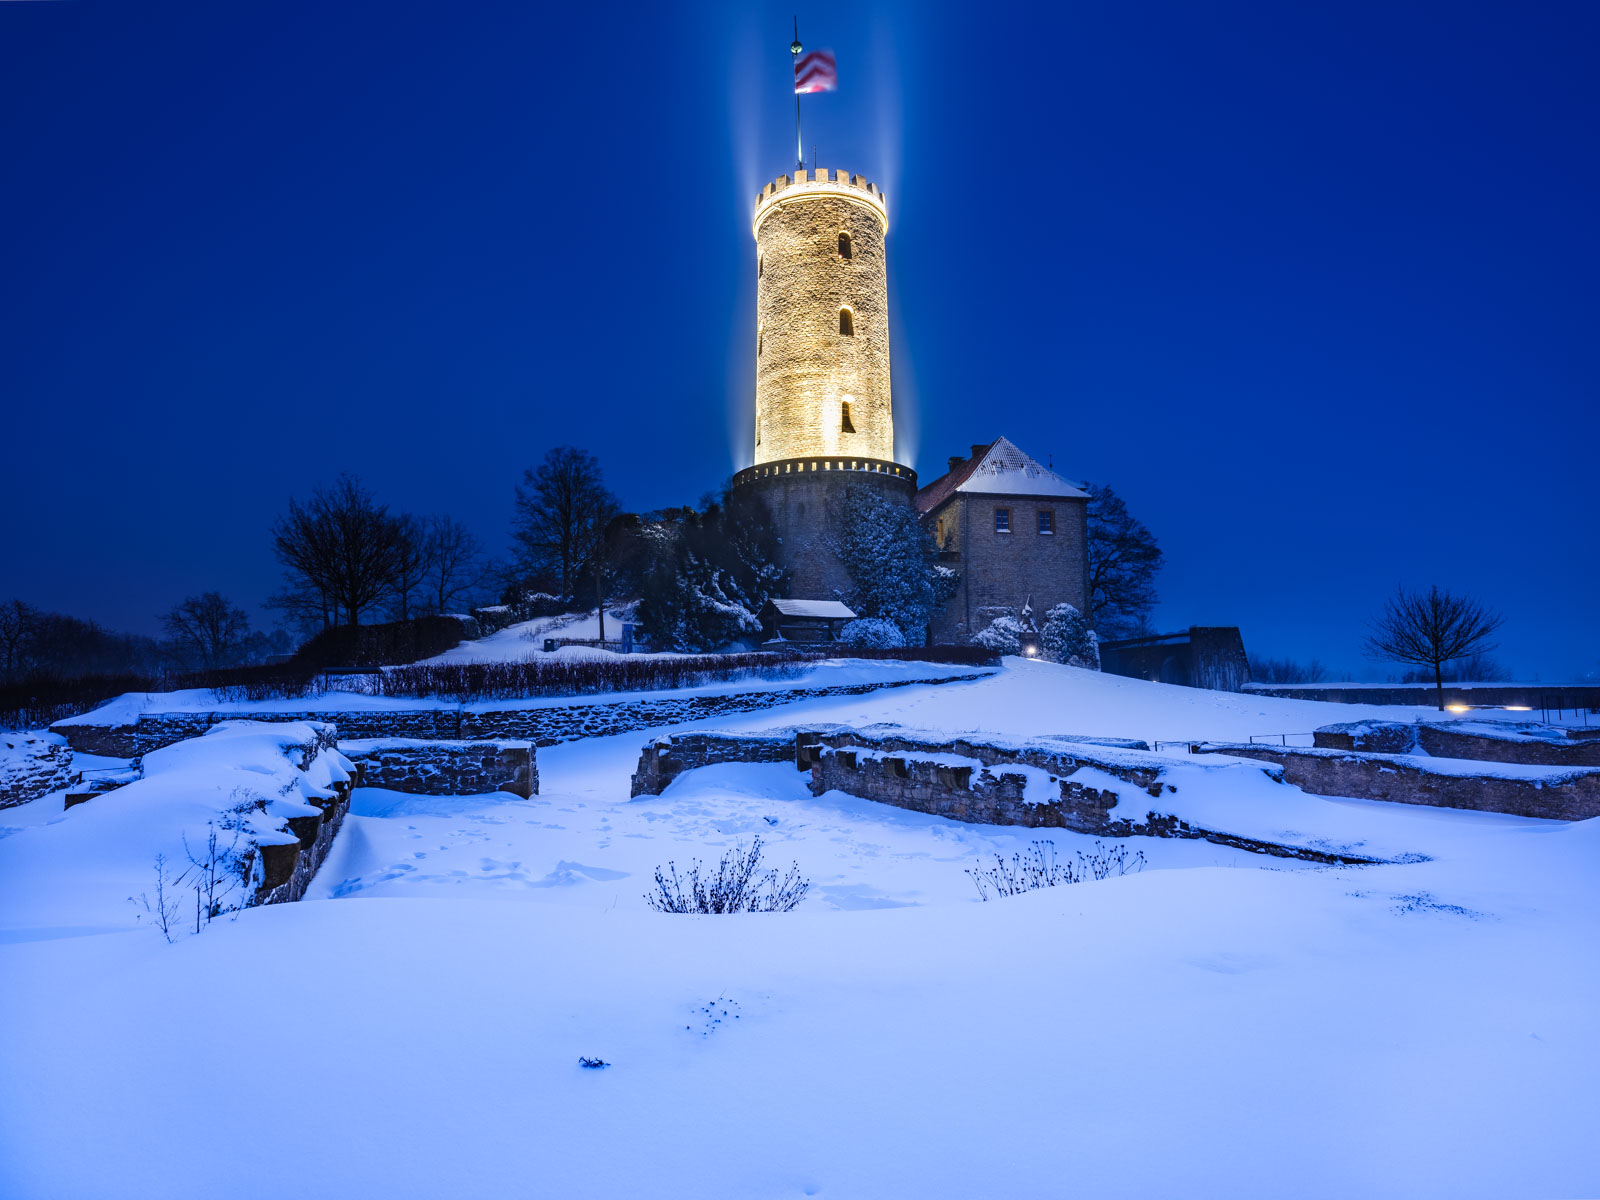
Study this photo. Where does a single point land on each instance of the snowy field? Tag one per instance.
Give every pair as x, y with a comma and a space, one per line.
1218, 1024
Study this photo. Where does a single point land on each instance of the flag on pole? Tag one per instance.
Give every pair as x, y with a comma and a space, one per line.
815, 72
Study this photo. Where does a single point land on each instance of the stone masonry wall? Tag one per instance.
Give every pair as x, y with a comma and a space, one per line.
924, 780
446, 768
664, 759
1002, 570
1445, 741
1569, 796
33, 765
805, 368
996, 797
545, 726
287, 870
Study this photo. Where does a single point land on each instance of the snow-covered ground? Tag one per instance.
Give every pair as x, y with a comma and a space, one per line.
525, 639
1218, 1024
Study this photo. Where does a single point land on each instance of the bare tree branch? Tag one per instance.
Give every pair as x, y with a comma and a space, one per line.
1429, 629
210, 626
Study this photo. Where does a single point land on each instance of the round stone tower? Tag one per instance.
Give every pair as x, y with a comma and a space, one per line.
822, 319
824, 416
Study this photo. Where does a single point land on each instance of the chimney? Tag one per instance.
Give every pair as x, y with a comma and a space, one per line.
977, 451
955, 461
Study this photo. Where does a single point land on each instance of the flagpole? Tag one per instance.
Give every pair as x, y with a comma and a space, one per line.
799, 142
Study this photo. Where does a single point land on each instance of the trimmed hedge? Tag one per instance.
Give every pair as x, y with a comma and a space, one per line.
394, 643
37, 702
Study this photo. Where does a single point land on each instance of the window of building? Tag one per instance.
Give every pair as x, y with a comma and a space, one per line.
1047, 521
761, 265
761, 339
847, 322
844, 245
844, 418
1002, 520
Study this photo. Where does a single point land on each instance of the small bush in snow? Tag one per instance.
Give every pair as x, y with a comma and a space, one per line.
738, 886
1002, 635
1067, 638
592, 1064
162, 912
216, 871
872, 632
1037, 867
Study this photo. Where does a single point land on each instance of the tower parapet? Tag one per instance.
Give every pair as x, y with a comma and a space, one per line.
820, 182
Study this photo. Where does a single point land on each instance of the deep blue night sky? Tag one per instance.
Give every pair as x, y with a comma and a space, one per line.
1314, 287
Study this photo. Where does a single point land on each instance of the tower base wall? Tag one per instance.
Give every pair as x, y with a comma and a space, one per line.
807, 501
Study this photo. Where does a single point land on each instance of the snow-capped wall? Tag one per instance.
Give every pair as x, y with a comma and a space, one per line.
1530, 744
544, 725
446, 768
33, 765
1553, 793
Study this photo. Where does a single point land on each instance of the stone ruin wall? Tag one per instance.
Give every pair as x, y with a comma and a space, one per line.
992, 796
37, 764
1441, 741
547, 726
446, 768
1573, 796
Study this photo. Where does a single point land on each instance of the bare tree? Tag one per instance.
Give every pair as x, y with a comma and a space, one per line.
411, 564
456, 563
342, 547
1286, 670
1430, 628
562, 508
210, 626
16, 625
1123, 560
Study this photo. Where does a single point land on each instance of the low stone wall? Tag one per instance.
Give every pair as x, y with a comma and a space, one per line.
33, 765
1446, 741
960, 791
1056, 755
664, 759
446, 768
544, 726
961, 779
1565, 795
1523, 695
287, 870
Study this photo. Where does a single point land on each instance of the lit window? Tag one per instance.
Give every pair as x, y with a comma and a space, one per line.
844, 419
847, 322
844, 245
1002, 520
1047, 521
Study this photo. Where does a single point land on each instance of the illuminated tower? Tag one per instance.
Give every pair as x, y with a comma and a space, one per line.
822, 319
824, 415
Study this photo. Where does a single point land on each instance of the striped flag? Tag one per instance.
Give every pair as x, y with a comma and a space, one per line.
815, 72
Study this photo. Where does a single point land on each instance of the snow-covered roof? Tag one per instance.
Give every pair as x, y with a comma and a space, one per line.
1001, 469
830, 609
1007, 471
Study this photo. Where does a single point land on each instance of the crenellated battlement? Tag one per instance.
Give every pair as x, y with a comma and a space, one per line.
805, 185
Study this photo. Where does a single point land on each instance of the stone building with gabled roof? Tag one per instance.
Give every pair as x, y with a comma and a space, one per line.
1014, 530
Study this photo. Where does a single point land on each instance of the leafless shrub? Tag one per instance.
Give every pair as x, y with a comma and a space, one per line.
162, 912
739, 885
1037, 867
215, 874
